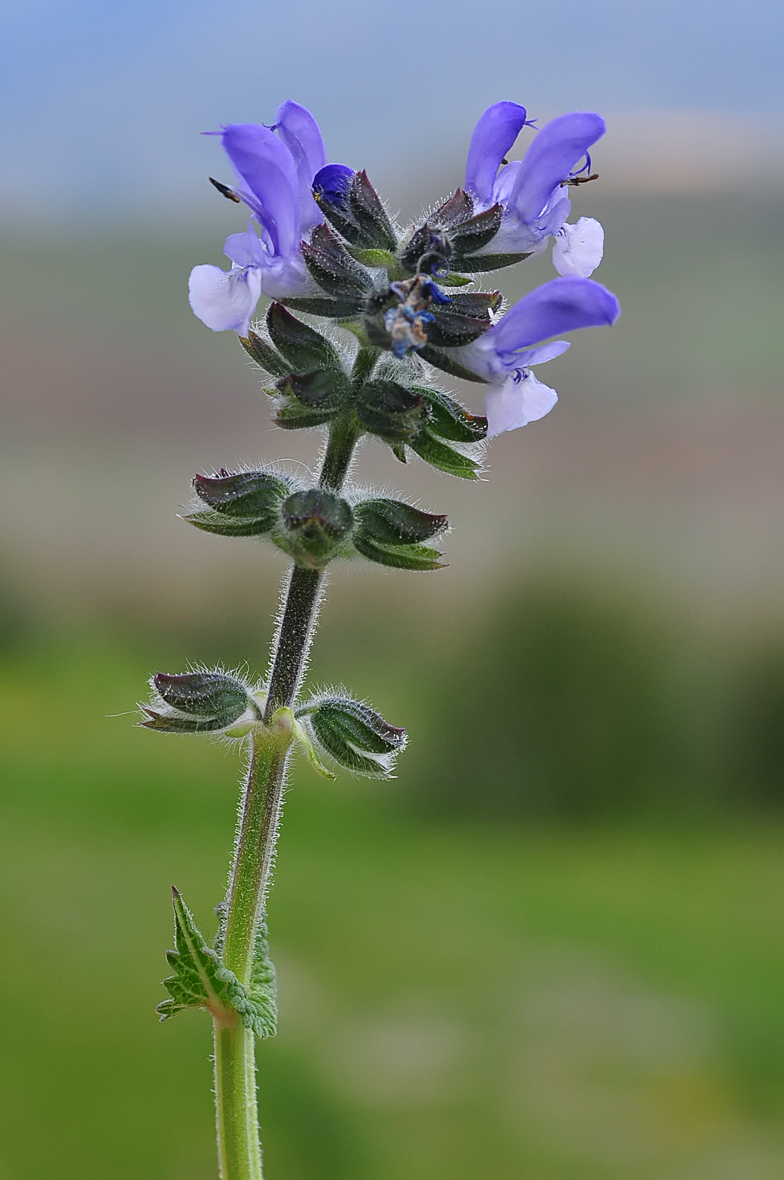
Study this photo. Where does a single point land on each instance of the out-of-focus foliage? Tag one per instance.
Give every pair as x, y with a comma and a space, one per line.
564, 701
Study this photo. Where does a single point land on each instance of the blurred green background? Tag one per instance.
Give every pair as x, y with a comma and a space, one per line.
553, 947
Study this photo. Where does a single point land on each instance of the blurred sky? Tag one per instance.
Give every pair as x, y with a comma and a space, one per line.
101, 103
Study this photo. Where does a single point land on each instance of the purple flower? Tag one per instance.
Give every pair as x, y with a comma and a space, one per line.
533, 191
274, 167
504, 354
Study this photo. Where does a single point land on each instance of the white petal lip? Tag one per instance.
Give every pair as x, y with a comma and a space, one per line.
517, 402
224, 300
578, 249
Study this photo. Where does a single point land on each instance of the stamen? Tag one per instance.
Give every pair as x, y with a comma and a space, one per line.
225, 191
578, 180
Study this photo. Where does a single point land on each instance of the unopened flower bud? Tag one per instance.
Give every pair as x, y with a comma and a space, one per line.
314, 527
427, 251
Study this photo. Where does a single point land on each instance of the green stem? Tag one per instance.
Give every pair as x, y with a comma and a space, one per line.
254, 849
338, 453
239, 1152
239, 1149
294, 636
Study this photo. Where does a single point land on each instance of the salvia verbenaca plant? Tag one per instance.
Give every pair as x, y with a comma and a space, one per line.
391, 307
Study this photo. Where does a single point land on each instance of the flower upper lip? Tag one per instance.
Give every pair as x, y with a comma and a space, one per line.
494, 135
552, 155
275, 170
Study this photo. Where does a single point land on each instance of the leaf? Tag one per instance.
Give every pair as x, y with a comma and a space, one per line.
258, 1006
200, 980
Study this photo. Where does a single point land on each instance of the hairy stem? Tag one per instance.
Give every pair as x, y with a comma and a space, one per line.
294, 636
254, 850
239, 1152
337, 454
